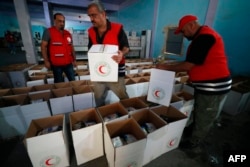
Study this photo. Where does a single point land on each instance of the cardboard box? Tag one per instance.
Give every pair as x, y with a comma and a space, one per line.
5, 92
22, 90
236, 100
131, 87
161, 86
62, 101
48, 149
129, 154
133, 104
142, 85
35, 82
175, 126
12, 123
155, 139
87, 141
109, 109
38, 108
43, 87
188, 102
111, 97
102, 66
83, 97
78, 83
148, 103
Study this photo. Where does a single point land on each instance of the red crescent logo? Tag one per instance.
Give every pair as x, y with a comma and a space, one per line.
100, 69
157, 93
47, 162
172, 142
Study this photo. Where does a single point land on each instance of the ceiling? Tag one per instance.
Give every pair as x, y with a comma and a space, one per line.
70, 7
65, 5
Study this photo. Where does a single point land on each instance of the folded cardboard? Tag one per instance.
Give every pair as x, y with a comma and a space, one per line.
160, 86
62, 85
129, 154
49, 149
175, 126
133, 104
43, 87
155, 139
102, 66
5, 92
22, 90
78, 83
115, 108
87, 141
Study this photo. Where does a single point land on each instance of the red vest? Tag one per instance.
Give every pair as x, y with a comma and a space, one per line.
111, 36
60, 47
215, 65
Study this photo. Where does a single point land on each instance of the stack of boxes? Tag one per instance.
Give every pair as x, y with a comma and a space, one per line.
47, 108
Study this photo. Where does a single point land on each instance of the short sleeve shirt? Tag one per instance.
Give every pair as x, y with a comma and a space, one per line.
199, 48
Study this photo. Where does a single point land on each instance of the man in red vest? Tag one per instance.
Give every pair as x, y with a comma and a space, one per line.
206, 64
58, 51
105, 32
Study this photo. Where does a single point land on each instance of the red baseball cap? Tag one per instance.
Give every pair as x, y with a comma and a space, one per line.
183, 21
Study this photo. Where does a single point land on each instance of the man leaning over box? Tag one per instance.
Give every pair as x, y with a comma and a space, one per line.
105, 32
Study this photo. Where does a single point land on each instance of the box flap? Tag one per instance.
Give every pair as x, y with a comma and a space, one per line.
62, 92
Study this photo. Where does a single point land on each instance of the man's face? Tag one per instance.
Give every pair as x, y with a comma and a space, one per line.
97, 18
187, 31
59, 22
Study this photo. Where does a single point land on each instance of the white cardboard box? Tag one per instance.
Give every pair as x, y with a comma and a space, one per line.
62, 101
155, 139
102, 66
87, 141
48, 149
111, 97
83, 98
175, 126
12, 122
110, 109
129, 154
161, 86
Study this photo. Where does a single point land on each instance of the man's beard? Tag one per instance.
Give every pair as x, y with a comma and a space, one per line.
61, 28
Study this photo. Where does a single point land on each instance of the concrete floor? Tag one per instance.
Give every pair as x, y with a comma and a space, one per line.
232, 135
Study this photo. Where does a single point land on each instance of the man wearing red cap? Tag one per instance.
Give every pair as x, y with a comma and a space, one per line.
206, 64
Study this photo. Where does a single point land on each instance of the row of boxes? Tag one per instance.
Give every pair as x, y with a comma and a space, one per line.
17, 111
89, 142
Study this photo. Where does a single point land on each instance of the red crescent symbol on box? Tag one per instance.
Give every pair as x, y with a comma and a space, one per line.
100, 69
47, 162
157, 93
172, 142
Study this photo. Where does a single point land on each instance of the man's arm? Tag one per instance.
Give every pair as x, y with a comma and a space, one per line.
44, 47
74, 56
180, 67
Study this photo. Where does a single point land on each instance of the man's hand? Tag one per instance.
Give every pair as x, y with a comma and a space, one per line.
118, 58
74, 63
47, 64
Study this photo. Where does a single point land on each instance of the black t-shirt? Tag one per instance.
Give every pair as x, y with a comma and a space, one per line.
199, 49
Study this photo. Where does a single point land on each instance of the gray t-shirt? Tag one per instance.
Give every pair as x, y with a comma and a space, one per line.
46, 35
